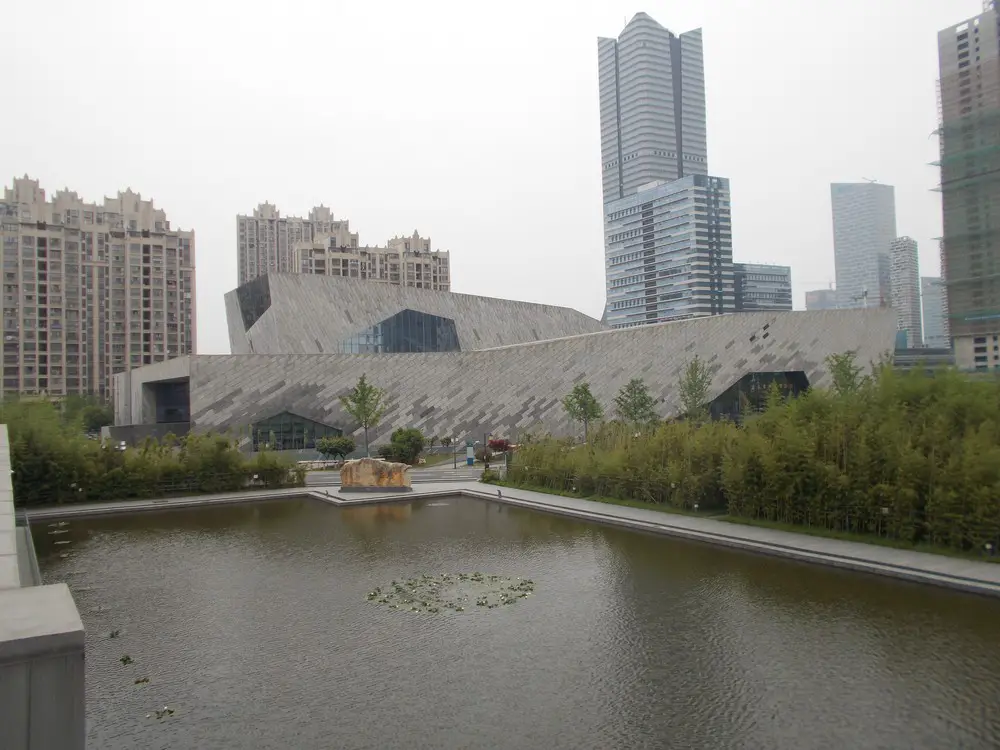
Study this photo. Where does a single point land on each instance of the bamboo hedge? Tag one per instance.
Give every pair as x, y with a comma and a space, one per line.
53, 461
906, 457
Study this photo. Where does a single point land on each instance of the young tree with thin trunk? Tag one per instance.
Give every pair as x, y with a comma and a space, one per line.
634, 405
367, 404
581, 406
694, 386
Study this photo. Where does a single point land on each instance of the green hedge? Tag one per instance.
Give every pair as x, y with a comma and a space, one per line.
904, 456
54, 462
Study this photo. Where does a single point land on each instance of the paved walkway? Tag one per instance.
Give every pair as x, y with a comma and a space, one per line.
967, 575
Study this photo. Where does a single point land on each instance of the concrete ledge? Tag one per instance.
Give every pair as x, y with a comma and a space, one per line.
39, 621
378, 490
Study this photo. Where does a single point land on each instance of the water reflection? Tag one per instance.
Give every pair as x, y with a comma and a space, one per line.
251, 621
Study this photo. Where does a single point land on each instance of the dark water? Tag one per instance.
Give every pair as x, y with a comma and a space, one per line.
252, 623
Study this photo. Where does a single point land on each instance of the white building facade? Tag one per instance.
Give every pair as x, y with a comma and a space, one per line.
90, 289
864, 226
904, 282
669, 253
935, 318
652, 104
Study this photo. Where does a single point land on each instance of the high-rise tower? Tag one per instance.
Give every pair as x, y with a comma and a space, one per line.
864, 226
652, 86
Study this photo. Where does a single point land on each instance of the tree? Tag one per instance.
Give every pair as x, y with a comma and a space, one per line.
404, 445
335, 446
366, 403
446, 441
634, 405
499, 445
845, 373
96, 416
432, 441
581, 406
694, 385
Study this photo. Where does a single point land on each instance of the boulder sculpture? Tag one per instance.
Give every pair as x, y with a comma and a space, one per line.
373, 474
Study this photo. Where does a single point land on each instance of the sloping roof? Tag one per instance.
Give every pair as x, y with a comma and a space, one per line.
513, 388
310, 314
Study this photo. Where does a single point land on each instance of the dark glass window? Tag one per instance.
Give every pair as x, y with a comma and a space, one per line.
748, 395
407, 331
287, 431
254, 298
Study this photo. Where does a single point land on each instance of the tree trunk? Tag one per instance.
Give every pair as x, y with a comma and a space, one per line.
585, 432
368, 452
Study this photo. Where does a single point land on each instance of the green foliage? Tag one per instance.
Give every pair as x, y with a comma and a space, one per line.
446, 441
845, 373
404, 446
366, 403
634, 405
694, 385
581, 406
53, 462
335, 446
902, 457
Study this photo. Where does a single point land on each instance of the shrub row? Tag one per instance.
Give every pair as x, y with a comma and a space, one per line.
901, 456
54, 462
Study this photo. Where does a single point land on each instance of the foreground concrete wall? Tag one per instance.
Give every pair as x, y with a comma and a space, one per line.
41, 648
508, 390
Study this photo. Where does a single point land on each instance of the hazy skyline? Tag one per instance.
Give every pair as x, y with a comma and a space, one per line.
479, 128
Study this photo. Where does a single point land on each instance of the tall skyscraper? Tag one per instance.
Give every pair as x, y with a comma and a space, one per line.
864, 226
821, 299
669, 252
652, 88
760, 286
935, 322
266, 239
969, 90
904, 282
90, 289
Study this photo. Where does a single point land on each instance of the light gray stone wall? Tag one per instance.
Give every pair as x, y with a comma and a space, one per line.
312, 314
41, 648
507, 390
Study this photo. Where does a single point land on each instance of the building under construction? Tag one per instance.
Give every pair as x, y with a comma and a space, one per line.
969, 115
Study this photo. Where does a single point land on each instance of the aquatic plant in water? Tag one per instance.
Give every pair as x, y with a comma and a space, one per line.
452, 592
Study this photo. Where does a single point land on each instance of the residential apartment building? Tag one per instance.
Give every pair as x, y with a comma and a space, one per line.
669, 252
405, 261
935, 318
90, 289
969, 107
904, 282
266, 239
821, 299
864, 226
759, 286
652, 103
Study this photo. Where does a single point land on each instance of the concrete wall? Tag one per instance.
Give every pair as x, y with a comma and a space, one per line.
41, 648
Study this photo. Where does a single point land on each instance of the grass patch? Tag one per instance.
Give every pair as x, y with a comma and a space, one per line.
437, 459
845, 536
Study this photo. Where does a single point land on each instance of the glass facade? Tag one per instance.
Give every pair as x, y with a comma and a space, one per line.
748, 395
287, 431
407, 331
254, 298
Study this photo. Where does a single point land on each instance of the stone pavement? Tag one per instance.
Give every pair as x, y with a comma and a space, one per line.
968, 575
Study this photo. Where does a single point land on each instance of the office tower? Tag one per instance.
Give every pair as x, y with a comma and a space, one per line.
821, 299
935, 321
90, 289
669, 252
405, 261
265, 240
864, 226
762, 287
969, 107
904, 282
652, 89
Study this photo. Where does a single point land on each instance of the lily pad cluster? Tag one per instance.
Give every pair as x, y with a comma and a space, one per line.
452, 592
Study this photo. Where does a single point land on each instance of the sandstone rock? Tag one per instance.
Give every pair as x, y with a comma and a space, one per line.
370, 472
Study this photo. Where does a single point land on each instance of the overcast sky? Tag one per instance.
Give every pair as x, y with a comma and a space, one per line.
475, 123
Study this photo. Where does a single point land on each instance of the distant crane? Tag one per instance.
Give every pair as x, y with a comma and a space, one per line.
868, 179
863, 298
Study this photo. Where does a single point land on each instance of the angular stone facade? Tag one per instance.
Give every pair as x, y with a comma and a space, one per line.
508, 390
306, 314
